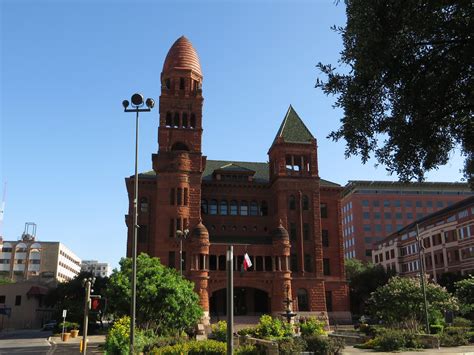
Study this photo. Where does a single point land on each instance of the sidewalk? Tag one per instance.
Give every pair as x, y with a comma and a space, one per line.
464, 350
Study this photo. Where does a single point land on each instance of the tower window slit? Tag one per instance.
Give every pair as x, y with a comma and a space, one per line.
176, 120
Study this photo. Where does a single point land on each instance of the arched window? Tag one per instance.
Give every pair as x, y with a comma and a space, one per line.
193, 121
292, 202
263, 208
303, 305
305, 203
168, 119
176, 120
223, 208
181, 83
184, 119
180, 146
204, 207
144, 204
234, 208
244, 208
7, 248
168, 83
213, 207
20, 248
254, 208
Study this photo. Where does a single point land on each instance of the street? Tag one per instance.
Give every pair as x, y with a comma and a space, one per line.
35, 342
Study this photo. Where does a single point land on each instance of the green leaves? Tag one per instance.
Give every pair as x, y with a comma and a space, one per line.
407, 90
166, 302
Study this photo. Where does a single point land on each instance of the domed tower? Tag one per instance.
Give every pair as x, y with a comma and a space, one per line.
179, 162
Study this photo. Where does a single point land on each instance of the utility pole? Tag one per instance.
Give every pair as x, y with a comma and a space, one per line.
87, 283
230, 300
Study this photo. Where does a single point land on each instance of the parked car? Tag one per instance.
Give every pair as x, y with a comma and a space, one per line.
50, 325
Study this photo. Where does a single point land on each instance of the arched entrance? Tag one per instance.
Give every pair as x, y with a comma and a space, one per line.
248, 301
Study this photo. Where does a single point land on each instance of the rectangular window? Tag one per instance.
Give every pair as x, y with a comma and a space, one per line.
392, 253
328, 301
368, 252
398, 215
172, 197
325, 237
308, 263
324, 210
185, 196
292, 231
368, 240
429, 203
179, 196
293, 262
386, 203
143, 233
409, 215
268, 263
408, 203
376, 203
396, 203
18, 300
418, 203
171, 259
366, 215
305, 231
377, 215
212, 262
388, 228
367, 227
365, 203
439, 204
387, 215
2, 299
326, 267
172, 229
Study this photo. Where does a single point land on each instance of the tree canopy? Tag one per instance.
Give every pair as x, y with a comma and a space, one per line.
166, 302
465, 294
363, 279
405, 84
400, 302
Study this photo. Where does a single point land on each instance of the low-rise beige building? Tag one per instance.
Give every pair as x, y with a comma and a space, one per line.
22, 306
448, 240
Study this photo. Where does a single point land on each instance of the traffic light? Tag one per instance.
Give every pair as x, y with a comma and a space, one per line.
95, 304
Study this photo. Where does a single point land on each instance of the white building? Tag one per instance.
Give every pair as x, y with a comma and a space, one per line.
96, 268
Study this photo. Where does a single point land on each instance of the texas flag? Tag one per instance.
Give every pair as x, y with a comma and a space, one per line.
247, 262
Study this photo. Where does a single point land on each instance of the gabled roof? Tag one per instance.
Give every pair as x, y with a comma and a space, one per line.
233, 167
261, 171
293, 130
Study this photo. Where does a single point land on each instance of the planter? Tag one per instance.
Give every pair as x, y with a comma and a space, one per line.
66, 336
74, 333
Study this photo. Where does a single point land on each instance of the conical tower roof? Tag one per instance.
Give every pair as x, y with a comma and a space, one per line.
293, 130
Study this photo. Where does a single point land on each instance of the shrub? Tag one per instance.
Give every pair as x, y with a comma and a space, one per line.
118, 337
461, 322
247, 350
324, 345
272, 328
369, 344
312, 326
195, 347
247, 331
219, 331
436, 328
290, 345
159, 342
455, 336
471, 336
396, 339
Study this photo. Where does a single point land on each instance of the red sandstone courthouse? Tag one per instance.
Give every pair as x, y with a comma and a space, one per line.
281, 213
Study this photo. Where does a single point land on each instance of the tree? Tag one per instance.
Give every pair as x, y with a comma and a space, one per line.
166, 302
70, 296
465, 294
363, 279
400, 302
407, 95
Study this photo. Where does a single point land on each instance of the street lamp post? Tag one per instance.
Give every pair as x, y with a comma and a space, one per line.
181, 235
421, 261
137, 107
87, 284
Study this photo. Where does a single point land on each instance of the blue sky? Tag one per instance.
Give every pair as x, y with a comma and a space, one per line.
66, 66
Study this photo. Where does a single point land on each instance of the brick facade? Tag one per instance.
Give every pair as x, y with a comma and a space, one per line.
281, 213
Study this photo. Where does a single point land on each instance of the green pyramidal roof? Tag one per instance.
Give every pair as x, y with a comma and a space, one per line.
293, 130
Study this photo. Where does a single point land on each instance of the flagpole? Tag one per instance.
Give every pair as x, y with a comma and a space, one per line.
230, 300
